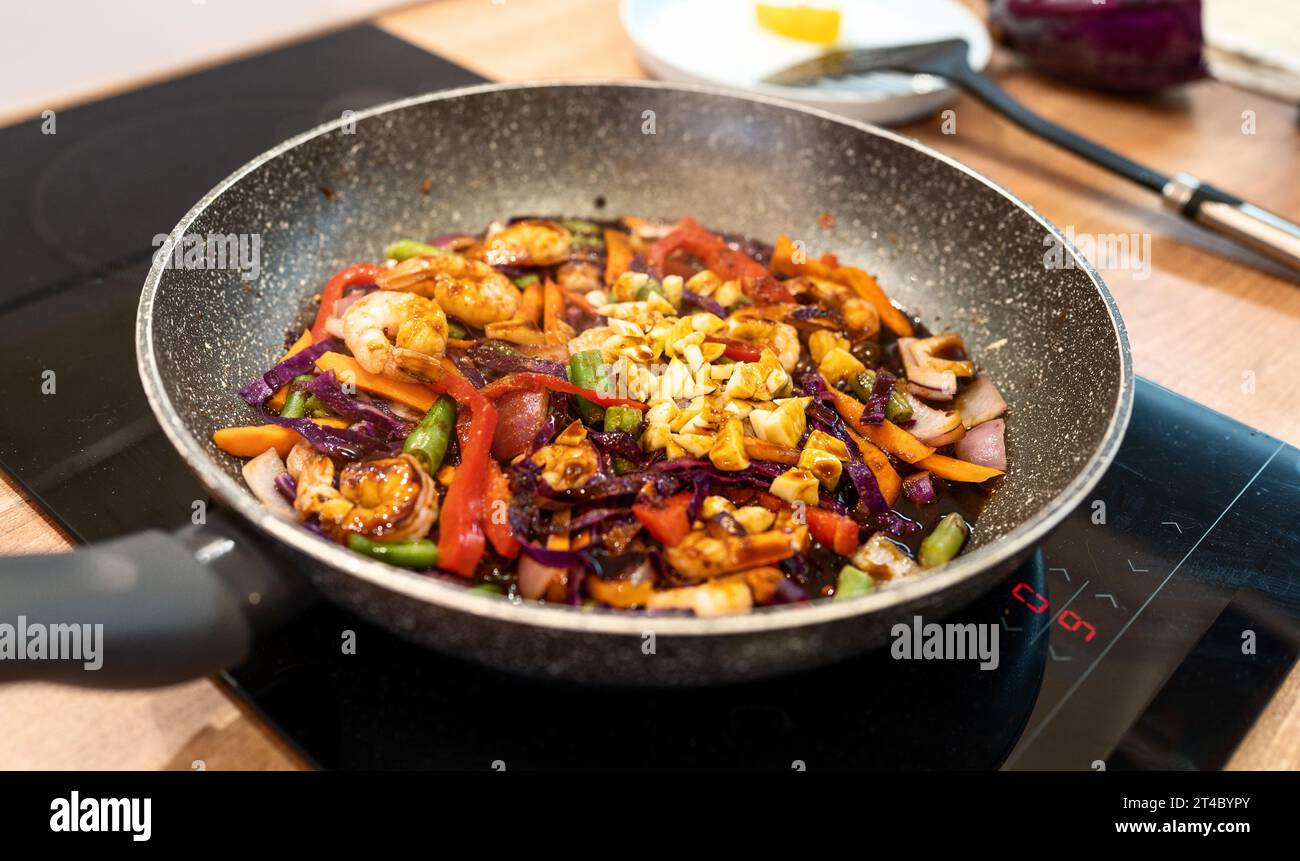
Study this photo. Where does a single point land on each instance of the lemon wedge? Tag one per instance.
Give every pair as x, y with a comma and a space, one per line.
805, 23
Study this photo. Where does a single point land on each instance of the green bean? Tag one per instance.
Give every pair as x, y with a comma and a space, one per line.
863, 384
944, 542
456, 330
898, 408
317, 409
526, 280
587, 369
586, 240
488, 588
405, 249
412, 553
575, 225
428, 441
852, 582
650, 286
295, 403
622, 419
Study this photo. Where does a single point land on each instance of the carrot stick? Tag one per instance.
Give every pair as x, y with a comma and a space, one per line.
886, 435
581, 301
763, 450
850, 409
878, 462
896, 441
619, 252
304, 341
783, 263
957, 470
252, 440
867, 287
530, 308
346, 368
552, 309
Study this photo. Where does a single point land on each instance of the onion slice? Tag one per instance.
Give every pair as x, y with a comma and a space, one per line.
933, 427
981, 402
535, 578
985, 445
261, 473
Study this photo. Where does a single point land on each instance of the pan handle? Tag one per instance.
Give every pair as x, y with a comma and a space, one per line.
146, 610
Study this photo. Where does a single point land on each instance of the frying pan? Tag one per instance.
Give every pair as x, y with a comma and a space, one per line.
945, 242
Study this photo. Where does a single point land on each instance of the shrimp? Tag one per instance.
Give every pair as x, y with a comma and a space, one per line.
582, 277
391, 498
707, 553
469, 290
759, 328
861, 318
786, 343
569, 462
526, 243
416, 325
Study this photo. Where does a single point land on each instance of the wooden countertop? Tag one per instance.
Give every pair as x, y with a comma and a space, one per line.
1209, 319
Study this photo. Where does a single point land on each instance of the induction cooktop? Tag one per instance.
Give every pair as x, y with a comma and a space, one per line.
1147, 633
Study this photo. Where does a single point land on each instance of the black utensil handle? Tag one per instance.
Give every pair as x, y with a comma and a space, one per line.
997, 98
145, 610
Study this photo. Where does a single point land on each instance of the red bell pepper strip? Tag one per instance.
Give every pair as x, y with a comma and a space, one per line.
361, 273
666, 519
737, 350
460, 536
723, 260
536, 382
836, 531
495, 523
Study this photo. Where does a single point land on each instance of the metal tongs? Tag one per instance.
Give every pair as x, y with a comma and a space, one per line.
1195, 200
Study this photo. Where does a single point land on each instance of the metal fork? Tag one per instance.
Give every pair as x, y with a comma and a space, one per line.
1195, 200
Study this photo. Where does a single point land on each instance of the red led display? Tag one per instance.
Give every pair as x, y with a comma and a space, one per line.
1038, 604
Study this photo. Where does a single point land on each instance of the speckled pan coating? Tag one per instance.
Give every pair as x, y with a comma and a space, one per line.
943, 241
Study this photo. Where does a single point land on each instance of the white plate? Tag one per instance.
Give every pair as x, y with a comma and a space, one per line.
719, 42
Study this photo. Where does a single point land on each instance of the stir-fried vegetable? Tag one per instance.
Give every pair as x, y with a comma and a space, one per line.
632, 414
412, 553
428, 441
852, 583
941, 545
405, 249
587, 370
361, 273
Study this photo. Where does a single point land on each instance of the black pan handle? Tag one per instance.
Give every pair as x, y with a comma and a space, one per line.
1224, 213
954, 66
146, 610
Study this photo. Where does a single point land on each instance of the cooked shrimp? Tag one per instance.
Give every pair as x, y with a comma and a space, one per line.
417, 329
526, 243
861, 318
391, 498
471, 291
758, 328
707, 553
786, 342
582, 277
570, 461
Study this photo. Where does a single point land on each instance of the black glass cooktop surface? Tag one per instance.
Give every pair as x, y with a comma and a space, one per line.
1148, 633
